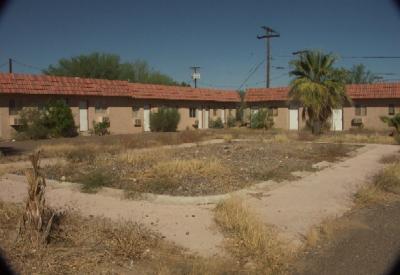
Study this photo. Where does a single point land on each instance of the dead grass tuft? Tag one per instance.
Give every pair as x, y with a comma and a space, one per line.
145, 158
228, 138
389, 159
249, 239
358, 138
384, 184
323, 232
388, 179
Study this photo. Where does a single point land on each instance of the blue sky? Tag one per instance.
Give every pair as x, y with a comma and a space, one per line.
219, 36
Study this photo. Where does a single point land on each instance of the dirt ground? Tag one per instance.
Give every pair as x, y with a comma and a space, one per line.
367, 242
195, 171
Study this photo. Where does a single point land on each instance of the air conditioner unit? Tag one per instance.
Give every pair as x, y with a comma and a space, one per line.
102, 119
357, 122
15, 121
138, 122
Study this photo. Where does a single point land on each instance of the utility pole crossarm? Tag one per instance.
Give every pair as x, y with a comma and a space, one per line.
269, 33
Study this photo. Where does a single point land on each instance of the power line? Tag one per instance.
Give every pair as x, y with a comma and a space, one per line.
26, 65
4, 64
251, 74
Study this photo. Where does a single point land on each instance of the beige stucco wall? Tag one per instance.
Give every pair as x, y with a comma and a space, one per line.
375, 109
118, 110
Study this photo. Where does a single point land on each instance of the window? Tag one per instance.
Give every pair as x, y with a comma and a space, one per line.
273, 111
214, 112
391, 110
13, 107
135, 112
192, 112
100, 107
361, 110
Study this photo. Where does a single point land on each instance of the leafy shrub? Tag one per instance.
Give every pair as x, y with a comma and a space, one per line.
164, 120
55, 120
101, 128
395, 123
216, 124
59, 119
231, 122
32, 124
261, 120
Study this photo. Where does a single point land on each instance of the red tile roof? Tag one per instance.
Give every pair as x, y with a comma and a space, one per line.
355, 91
56, 85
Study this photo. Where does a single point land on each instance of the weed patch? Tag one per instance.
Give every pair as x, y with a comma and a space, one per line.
250, 241
95, 180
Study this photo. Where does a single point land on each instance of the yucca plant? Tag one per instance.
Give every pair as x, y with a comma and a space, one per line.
395, 123
316, 87
37, 219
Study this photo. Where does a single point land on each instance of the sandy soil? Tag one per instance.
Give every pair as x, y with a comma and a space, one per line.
293, 208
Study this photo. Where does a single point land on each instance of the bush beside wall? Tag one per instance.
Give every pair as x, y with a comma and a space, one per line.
216, 123
164, 120
261, 119
54, 120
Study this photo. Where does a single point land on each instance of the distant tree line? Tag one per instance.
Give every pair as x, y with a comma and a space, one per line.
109, 66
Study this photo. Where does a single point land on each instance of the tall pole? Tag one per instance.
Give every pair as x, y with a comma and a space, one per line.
269, 33
10, 68
195, 75
268, 63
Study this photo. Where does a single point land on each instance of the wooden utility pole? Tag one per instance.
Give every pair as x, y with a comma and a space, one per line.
195, 74
269, 33
10, 68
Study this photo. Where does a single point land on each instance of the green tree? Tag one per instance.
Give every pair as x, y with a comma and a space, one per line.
316, 87
358, 74
109, 66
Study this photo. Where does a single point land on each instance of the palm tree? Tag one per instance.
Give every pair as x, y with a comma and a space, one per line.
316, 88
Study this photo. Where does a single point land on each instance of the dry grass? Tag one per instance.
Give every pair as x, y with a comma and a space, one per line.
358, 138
169, 175
389, 159
384, 185
328, 230
228, 138
145, 158
249, 240
81, 245
78, 152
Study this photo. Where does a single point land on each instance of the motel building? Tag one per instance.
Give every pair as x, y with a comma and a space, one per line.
369, 103
126, 105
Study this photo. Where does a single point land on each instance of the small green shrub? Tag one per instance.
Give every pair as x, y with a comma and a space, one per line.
216, 124
59, 119
94, 181
32, 124
261, 120
231, 122
164, 120
101, 128
55, 120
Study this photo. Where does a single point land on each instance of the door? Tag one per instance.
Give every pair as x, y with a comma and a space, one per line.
200, 117
206, 117
146, 118
83, 116
337, 120
293, 119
